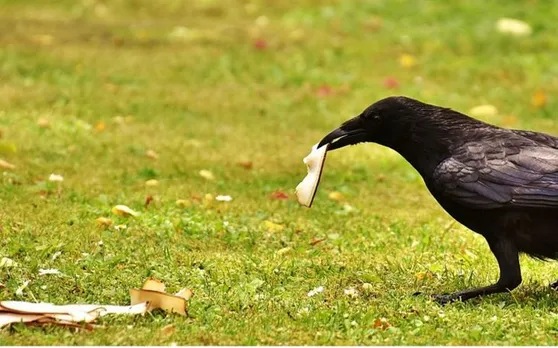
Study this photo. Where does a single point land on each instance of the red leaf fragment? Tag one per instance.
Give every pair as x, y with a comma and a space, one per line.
279, 195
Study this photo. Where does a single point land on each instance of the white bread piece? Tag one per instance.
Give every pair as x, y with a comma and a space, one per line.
306, 190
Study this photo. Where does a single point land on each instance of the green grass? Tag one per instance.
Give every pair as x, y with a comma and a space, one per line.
210, 99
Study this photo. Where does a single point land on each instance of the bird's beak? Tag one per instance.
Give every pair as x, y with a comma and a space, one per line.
349, 133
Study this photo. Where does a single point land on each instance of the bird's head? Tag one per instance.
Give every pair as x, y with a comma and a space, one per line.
377, 123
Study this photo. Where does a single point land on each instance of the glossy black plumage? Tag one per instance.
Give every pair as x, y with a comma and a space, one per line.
500, 183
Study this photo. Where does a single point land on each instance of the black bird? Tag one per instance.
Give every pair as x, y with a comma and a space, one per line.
501, 183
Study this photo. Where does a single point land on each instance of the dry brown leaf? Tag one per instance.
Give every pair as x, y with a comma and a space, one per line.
279, 195
317, 241
246, 164
6, 165
381, 323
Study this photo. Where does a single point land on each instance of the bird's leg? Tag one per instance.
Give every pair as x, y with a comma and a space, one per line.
507, 255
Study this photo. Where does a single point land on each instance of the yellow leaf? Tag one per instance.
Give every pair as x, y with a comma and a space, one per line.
336, 196
152, 183
43, 123
103, 221
123, 210
6, 165
100, 126
407, 61
206, 174
272, 226
539, 99
151, 154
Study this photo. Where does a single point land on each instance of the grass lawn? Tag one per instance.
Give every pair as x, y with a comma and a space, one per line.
243, 90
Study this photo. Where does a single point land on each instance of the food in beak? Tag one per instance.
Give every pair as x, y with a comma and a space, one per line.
306, 190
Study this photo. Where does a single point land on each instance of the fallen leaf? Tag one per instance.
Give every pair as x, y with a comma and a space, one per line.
407, 61
317, 241
324, 91
391, 82
55, 178
123, 210
168, 330
513, 27
539, 99
279, 195
260, 44
103, 221
151, 154
148, 200
336, 196
246, 164
206, 174
485, 110
272, 226
100, 126
6, 165
381, 323
152, 183
223, 198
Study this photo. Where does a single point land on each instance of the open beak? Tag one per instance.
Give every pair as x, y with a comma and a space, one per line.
349, 133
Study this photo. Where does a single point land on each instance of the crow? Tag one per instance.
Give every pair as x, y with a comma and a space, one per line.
501, 183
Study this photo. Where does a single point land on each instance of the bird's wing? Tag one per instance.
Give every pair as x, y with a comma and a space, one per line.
487, 176
541, 138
